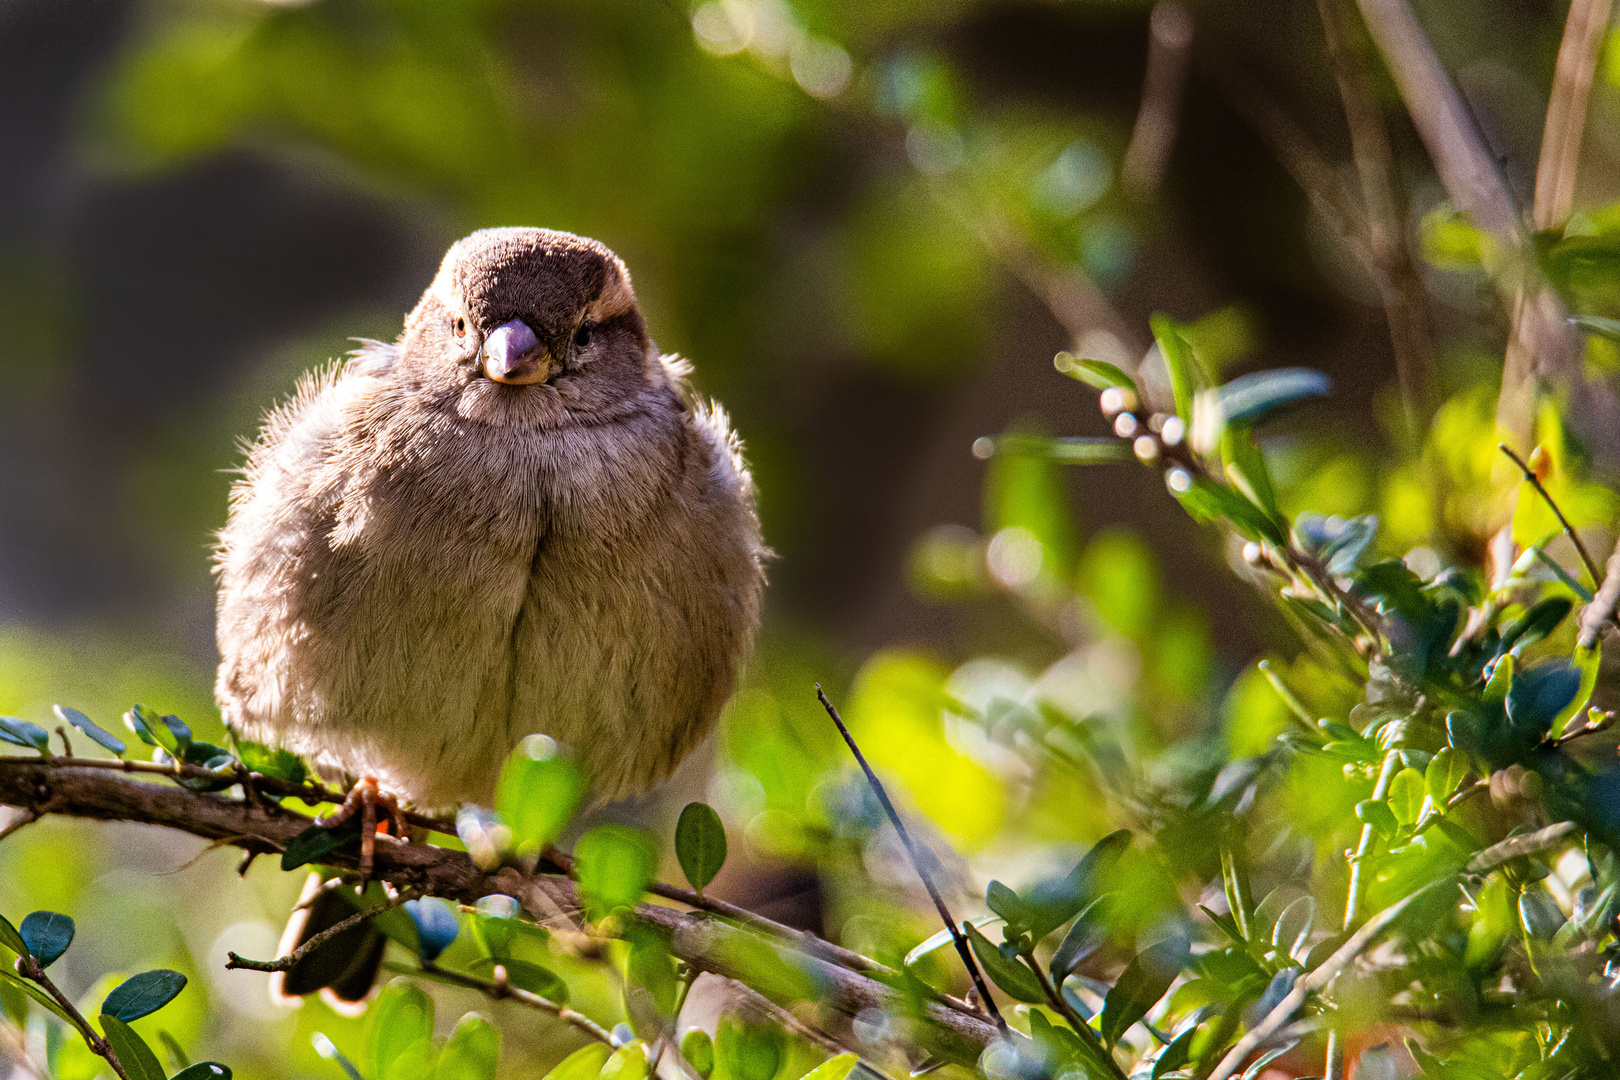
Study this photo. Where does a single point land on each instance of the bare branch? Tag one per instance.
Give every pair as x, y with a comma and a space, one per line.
1566, 111
1170, 35
73, 787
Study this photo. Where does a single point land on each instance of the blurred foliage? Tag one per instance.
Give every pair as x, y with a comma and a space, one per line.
1151, 842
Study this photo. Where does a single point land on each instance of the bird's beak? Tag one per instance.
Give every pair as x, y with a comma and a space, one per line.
514, 355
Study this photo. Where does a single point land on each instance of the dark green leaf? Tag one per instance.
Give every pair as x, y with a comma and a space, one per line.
1087, 934
1540, 694
1051, 903
612, 865
48, 935
700, 844
105, 739
1017, 980
525, 976
472, 1052
1141, 985
315, 842
143, 994
1007, 904
1535, 624
11, 939
277, 764
136, 1057
1248, 398
1175, 1055
436, 925
1235, 878
539, 790
203, 1070
152, 731
23, 733
40, 997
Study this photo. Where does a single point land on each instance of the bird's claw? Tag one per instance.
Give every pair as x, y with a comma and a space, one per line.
364, 798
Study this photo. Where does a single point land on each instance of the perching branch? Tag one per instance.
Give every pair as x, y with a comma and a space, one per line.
285, 963
85, 789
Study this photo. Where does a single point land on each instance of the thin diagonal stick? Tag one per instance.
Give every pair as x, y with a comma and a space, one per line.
1569, 530
917, 861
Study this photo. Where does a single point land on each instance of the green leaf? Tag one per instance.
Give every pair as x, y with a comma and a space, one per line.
1445, 771
583, 1064
1006, 972
1586, 662
23, 733
837, 1067
400, 1030
1009, 906
1235, 879
698, 1050
525, 976
1535, 624
628, 1062
11, 939
612, 865
648, 966
316, 842
1049, 904
153, 731
1539, 694
1141, 985
1376, 812
39, 996
538, 792
133, 1053
1073, 450
1178, 361
48, 936
1095, 373
105, 739
1406, 795
749, 1050
1293, 929
203, 1070
1175, 1054
472, 1052
700, 844
143, 994
1209, 501
1500, 679
1084, 938
277, 764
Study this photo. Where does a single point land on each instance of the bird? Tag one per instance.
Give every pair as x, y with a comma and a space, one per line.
516, 519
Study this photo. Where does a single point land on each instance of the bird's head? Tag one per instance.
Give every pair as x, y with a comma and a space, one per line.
530, 325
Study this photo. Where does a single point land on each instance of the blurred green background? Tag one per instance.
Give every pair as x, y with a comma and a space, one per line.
869, 225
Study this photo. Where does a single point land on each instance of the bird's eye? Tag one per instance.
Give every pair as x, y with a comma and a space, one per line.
461, 328
582, 337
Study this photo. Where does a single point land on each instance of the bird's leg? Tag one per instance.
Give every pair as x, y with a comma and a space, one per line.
364, 798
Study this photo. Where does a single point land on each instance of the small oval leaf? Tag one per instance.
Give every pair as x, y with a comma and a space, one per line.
1141, 985
23, 733
143, 994
612, 865
48, 935
583, 1064
525, 976
473, 1051
1016, 979
97, 734
700, 844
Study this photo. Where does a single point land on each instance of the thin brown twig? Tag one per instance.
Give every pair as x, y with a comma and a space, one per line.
31, 969
1393, 266
1065, 1010
1569, 530
499, 988
917, 862
285, 963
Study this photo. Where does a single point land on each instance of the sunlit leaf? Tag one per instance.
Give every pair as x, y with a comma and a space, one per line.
398, 1030
1445, 771
700, 844
278, 764
1096, 373
612, 865
143, 994
538, 792
698, 1050
472, 1052
628, 1062
837, 1067
749, 1050
583, 1064
1406, 795
1178, 361
1376, 812
525, 975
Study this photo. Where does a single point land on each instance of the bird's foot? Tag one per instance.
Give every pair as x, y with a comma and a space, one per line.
364, 798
